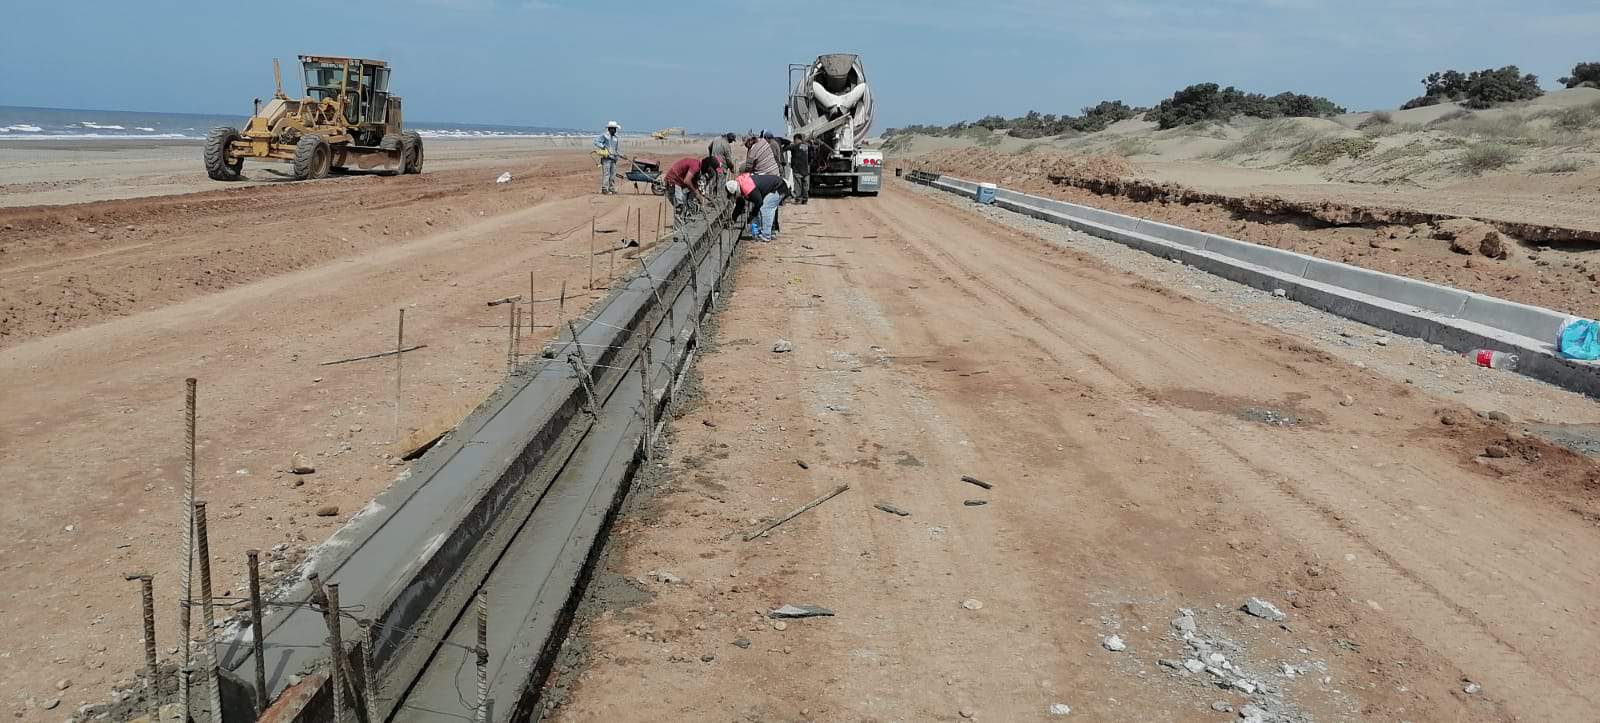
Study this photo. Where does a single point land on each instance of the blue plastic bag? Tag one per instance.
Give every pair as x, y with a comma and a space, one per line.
1580, 339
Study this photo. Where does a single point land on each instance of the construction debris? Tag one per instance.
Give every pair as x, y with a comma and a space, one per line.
766, 528
974, 480
1264, 610
891, 509
800, 611
391, 352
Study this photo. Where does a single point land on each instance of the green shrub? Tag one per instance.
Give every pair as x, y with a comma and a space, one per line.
1586, 75
1323, 152
1481, 89
1205, 102
1487, 157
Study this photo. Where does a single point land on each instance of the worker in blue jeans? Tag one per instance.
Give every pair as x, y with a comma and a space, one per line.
763, 191
609, 148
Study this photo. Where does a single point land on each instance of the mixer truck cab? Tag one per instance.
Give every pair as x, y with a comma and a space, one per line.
831, 103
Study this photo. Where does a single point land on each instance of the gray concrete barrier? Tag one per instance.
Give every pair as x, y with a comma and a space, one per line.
1453, 318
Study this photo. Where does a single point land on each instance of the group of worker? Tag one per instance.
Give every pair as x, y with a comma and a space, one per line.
774, 169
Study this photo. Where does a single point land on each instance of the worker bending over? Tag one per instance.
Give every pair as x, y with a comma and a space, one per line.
684, 178
762, 191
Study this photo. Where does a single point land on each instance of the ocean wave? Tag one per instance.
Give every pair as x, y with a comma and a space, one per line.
147, 130
101, 137
98, 127
21, 128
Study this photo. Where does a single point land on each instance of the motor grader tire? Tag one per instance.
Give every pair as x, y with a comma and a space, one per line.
218, 167
410, 152
313, 158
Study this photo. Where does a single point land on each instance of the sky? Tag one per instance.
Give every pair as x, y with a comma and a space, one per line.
721, 64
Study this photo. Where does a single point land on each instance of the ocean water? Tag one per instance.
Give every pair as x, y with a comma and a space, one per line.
20, 123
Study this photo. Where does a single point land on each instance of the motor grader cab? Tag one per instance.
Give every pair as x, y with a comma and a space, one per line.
346, 118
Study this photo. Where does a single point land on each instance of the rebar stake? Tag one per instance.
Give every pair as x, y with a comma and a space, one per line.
511, 337
590, 404
481, 714
255, 629
591, 252
649, 399
399, 368
207, 615
184, 615
336, 650
147, 599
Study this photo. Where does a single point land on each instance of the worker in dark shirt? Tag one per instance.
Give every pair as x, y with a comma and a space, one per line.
800, 163
764, 192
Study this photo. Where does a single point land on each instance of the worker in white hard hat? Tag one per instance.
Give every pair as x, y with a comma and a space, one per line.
609, 148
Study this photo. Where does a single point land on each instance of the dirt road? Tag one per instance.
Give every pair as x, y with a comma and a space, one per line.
1148, 453
247, 289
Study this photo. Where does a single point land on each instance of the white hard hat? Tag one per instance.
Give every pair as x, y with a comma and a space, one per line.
613, 124
732, 186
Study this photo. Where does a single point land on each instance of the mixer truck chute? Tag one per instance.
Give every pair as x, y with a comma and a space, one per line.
831, 103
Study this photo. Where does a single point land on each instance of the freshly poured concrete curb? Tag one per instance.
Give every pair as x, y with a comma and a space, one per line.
1452, 318
412, 558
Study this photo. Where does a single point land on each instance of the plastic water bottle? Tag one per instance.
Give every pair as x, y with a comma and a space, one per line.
1493, 359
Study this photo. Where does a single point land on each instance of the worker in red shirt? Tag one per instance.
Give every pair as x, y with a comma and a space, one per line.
685, 177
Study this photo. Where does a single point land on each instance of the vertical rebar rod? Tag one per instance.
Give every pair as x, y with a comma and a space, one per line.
336, 654
399, 368
591, 252
369, 687
147, 601
187, 593
516, 334
530, 302
638, 227
511, 337
255, 629
481, 713
207, 614
561, 308
660, 210
648, 398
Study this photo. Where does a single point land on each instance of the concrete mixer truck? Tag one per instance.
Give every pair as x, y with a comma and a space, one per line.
830, 102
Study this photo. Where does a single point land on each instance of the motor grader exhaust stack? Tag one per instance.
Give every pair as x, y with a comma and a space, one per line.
346, 119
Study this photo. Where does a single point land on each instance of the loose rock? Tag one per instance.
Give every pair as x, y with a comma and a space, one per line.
1348, 401
1472, 688
1501, 417
780, 625
800, 611
975, 503
1264, 610
972, 603
782, 346
742, 643
328, 511
1113, 643
966, 713
1495, 451
891, 509
1222, 706
300, 465
668, 578
1193, 666
1280, 293
1060, 709
63, 684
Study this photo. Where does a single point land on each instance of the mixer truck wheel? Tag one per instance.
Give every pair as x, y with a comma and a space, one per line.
218, 166
313, 158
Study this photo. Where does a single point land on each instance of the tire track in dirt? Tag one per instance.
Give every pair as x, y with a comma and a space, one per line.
1472, 642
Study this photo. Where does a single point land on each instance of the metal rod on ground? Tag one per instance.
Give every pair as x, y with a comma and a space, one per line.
591, 252
184, 615
255, 629
336, 652
481, 713
207, 615
147, 599
399, 344
768, 527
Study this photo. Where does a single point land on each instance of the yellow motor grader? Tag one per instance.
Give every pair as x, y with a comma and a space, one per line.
345, 119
